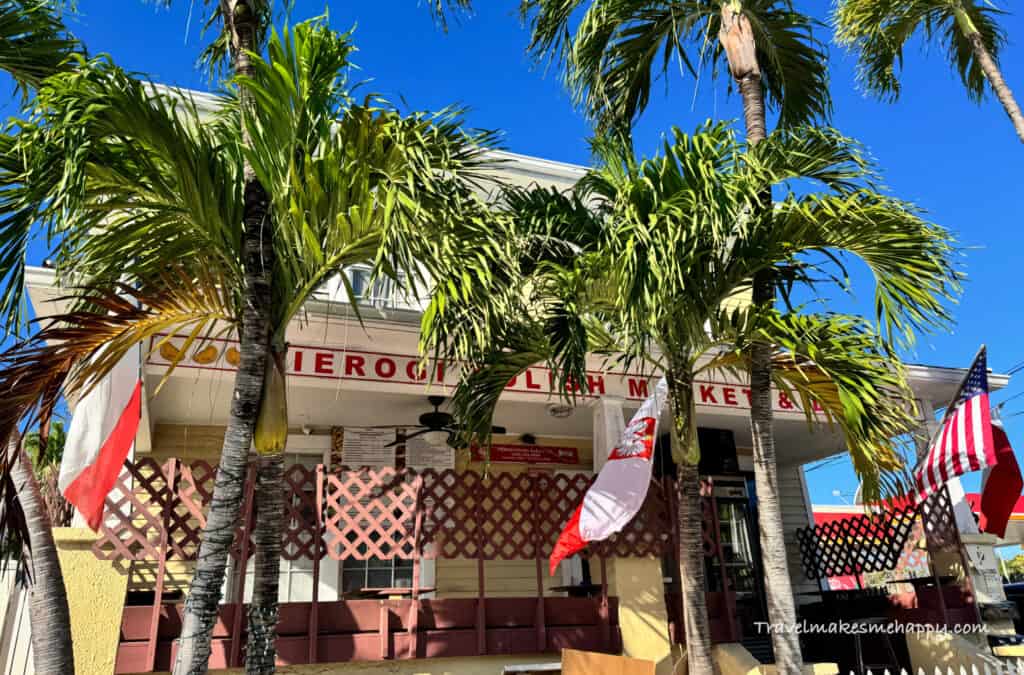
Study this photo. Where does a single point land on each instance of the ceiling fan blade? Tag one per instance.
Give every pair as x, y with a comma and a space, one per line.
399, 441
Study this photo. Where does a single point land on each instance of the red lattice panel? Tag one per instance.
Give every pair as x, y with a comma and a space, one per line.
133, 512
301, 539
371, 514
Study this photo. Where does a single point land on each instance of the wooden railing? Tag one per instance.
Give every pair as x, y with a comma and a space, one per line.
155, 514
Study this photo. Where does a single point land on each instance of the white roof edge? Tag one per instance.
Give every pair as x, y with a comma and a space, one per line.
539, 165
921, 373
40, 276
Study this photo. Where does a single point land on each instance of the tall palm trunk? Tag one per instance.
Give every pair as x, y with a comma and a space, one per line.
263, 610
737, 39
992, 72
225, 505
691, 538
49, 617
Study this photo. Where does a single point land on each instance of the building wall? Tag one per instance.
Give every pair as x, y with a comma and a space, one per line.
16, 636
96, 592
794, 516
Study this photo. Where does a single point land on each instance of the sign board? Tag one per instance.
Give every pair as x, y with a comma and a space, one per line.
528, 454
988, 582
331, 363
364, 446
424, 452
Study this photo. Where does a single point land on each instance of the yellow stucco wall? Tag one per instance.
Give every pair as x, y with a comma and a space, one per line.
637, 582
95, 598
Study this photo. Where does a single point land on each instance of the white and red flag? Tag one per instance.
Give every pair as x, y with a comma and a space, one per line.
1001, 487
621, 486
101, 434
964, 442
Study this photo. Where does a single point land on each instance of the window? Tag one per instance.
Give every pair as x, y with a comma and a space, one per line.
375, 573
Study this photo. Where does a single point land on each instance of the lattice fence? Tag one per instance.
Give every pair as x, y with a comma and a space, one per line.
855, 545
157, 511
877, 542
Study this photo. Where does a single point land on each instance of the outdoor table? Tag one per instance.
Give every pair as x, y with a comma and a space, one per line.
577, 590
367, 593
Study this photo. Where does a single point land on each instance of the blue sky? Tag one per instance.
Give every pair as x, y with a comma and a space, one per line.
958, 160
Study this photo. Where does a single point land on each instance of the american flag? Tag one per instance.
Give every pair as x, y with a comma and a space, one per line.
964, 442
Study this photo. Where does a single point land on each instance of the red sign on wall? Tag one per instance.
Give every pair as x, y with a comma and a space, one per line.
528, 454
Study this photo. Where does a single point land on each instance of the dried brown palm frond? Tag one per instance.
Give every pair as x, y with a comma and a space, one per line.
73, 351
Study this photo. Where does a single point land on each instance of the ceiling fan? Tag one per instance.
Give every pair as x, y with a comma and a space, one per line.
435, 420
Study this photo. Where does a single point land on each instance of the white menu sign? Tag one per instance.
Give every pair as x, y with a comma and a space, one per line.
423, 452
364, 446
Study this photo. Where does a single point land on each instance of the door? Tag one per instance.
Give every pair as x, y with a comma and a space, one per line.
732, 565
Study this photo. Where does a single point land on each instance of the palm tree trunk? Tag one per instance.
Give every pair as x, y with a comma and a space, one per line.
691, 537
257, 259
999, 86
263, 609
738, 40
52, 650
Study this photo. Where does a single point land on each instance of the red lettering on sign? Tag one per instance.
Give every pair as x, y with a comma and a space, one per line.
298, 360
816, 407
707, 393
440, 371
595, 384
385, 368
729, 396
530, 384
414, 373
527, 454
637, 388
512, 382
750, 400
784, 401
323, 363
354, 364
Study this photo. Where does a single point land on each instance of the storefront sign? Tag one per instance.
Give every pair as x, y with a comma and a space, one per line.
528, 454
363, 446
406, 369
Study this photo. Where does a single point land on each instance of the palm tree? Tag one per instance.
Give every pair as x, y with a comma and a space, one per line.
49, 616
346, 182
967, 30
45, 450
636, 266
34, 44
769, 48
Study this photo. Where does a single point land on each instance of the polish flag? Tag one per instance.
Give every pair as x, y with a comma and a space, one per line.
621, 486
100, 436
1001, 486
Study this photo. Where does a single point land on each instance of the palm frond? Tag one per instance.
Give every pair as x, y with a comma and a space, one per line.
878, 31
837, 368
349, 182
34, 42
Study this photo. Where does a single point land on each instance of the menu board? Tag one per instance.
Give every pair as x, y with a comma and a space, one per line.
364, 446
426, 452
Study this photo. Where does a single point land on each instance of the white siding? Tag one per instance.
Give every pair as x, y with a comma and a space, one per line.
794, 517
15, 633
